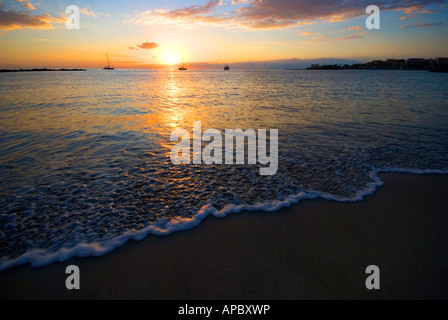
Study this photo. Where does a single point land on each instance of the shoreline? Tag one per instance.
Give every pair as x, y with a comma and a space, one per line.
39, 70
38, 258
317, 249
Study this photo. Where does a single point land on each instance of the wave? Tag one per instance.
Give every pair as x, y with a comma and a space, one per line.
41, 258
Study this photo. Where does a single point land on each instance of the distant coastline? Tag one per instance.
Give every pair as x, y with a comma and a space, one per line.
432, 65
38, 70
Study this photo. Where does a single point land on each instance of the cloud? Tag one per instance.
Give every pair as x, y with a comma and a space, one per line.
309, 33
194, 10
25, 4
132, 48
354, 28
87, 12
324, 38
422, 25
409, 17
275, 14
409, 9
414, 12
317, 39
28, 5
10, 20
148, 45
359, 35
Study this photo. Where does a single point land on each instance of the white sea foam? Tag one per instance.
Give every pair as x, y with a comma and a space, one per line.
40, 258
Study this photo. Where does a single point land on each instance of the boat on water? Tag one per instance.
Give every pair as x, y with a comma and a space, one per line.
183, 67
226, 68
109, 66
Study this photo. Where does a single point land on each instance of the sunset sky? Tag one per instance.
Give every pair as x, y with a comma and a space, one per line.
145, 33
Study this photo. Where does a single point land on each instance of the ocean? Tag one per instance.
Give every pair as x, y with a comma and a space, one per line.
85, 156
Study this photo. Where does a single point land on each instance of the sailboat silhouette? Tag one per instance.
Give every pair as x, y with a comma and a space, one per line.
183, 67
109, 67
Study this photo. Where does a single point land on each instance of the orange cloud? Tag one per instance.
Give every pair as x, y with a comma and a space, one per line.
411, 9
87, 12
25, 4
409, 17
148, 45
309, 33
317, 39
10, 20
354, 28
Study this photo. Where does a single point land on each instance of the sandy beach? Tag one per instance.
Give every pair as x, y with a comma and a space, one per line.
314, 250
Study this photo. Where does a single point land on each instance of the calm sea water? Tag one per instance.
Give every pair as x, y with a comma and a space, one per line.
84, 156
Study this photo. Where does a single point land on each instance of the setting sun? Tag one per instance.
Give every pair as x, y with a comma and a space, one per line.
171, 59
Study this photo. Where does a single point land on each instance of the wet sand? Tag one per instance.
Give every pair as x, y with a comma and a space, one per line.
317, 249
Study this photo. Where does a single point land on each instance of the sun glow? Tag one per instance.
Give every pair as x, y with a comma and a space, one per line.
171, 59
170, 53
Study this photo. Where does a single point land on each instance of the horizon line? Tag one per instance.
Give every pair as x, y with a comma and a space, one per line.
213, 65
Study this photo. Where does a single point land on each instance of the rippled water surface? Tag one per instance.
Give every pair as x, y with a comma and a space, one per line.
84, 156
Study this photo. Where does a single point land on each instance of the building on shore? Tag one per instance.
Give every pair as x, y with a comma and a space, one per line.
417, 64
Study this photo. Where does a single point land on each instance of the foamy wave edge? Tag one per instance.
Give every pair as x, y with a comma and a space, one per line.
41, 258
